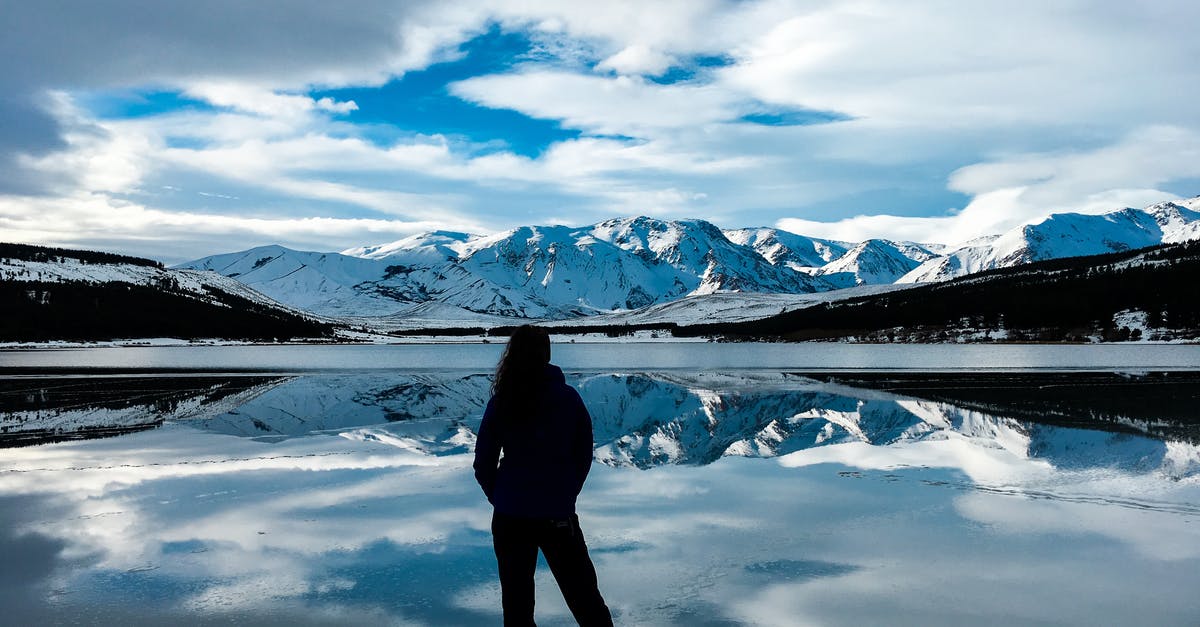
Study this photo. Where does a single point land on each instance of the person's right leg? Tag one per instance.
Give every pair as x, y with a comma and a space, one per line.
516, 555
567, 555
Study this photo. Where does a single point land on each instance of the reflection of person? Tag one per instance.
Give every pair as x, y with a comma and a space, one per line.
545, 433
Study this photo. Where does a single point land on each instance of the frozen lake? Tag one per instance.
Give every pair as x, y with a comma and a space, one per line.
733, 484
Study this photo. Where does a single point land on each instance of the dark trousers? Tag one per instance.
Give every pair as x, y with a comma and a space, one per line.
517, 541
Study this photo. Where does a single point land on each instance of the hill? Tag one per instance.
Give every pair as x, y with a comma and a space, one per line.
60, 294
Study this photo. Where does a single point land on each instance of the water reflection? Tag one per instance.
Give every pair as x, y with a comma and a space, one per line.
348, 498
648, 419
35, 410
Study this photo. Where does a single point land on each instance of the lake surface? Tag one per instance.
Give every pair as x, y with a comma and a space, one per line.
332, 485
648, 356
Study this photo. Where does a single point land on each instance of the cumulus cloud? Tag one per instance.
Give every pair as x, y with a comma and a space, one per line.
637, 59
75, 43
1023, 188
623, 105
841, 119
254, 99
983, 63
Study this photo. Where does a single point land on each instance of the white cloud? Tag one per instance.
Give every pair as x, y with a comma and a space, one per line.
255, 99
1024, 188
637, 59
926, 83
976, 64
276, 45
622, 105
177, 236
1021, 109
1144, 158
673, 26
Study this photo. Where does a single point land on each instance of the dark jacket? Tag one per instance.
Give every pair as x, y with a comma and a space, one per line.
547, 453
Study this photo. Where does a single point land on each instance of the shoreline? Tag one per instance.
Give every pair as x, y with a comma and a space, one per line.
589, 338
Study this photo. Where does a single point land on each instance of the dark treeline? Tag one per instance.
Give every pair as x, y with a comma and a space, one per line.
39, 311
1058, 300
26, 252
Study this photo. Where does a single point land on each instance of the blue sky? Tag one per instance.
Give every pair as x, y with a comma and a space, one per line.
420, 102
178, 131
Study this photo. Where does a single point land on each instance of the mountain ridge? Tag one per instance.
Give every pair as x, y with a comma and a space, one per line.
627, 264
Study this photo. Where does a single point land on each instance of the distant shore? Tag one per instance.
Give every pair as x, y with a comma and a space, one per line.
585, 338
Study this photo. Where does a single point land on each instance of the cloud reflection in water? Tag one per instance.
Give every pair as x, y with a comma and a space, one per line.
349, 498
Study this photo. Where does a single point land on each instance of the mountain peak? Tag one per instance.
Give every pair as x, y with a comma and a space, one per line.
874, 261
429, 246
787, 249
1171, 215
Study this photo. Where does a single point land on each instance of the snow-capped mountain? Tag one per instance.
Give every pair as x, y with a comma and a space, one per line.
875, 261
528, 272
707, 259
631, 264
1068, 235
781, 248
343, 285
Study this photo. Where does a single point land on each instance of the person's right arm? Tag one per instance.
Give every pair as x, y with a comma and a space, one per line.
487, 449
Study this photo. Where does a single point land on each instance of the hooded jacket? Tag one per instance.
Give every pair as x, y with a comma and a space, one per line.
547, 452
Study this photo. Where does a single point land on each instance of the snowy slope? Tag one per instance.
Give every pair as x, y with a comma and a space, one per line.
319, 282
1067, 235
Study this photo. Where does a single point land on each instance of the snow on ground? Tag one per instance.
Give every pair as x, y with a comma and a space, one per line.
432, 315
723, 307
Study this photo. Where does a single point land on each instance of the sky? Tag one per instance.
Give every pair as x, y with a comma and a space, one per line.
176, 130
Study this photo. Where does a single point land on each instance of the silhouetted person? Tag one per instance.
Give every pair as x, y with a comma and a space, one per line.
545, 433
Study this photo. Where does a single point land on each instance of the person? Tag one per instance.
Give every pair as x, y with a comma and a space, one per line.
544, 431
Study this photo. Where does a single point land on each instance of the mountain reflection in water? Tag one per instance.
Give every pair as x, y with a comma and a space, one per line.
347, 498
37, 410
649, 419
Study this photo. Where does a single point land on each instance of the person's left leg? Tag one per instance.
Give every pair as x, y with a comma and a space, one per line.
566, 553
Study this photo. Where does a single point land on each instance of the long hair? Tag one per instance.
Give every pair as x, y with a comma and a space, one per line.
520, 373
